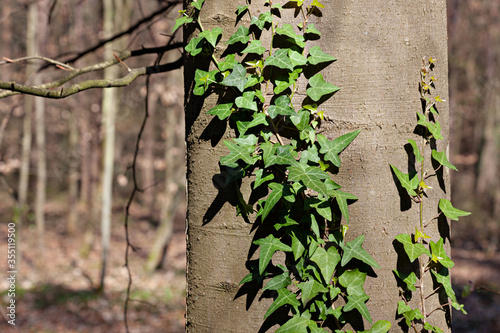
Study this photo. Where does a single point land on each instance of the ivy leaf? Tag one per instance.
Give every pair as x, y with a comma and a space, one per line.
309, 290
181, 20
298, 324
311, 30
441, 158
318, 4
297, 58
322, 206
408, 181
279, 281
281, 106
301, 120
203, 80
261, 21
319, 88
261, 177
247, 101
435, 130
412, 250
409, 278
438, 252
342, 198
238, 152
271, 200
281, 83
195, 46
381, 326
255, 47
418, 155
288, 31
353, 281
443, 277
284, 155
197, 4
228, 63
358, 302
285, 297
353, 249
327, 261
449, 211
240, 36
268, 246
408, 313
212, 36
280, 59
237, 78
317, 56
309, 176
241, 9
311, 154
299, 242
331, 149
222, 110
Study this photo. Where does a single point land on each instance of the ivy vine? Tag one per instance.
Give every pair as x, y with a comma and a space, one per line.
303, 212
432, 257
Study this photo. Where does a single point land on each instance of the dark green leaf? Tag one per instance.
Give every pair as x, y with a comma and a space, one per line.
268, 246
240, 36
280, 59
271, 200
358, 302
309, 290
247, 101
418, 155
261, 177
284, 297
297, 324
381, 326
212, 36
297, 58
278, 282
309, 176
353, 281
237, 78
288, 31
195, 46
413, 250
255, 47
222, 110
353, 249
319, 88
281, 106
181, 20
441, 158
409, 182
332, 149
327, 261
342, 198
408, 278
438, 252
449, 211
238, 152
301, 120
316, 56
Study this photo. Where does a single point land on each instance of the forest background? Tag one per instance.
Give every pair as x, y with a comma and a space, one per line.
62, 287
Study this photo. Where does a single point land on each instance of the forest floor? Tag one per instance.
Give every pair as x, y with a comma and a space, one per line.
60, 295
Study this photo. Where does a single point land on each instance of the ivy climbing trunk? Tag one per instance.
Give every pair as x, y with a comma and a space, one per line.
379, 46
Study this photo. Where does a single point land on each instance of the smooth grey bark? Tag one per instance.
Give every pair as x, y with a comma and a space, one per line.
379, 46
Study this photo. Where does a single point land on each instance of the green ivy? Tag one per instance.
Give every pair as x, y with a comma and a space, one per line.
432, 257
303, 212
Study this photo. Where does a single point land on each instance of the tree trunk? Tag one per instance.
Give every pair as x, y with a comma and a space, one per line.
41, 179
379, 46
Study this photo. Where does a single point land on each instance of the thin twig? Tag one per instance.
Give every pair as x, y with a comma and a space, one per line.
36, 57
89, 84
97, 67
129, 204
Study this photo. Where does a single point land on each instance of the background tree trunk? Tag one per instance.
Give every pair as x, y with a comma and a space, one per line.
379, 46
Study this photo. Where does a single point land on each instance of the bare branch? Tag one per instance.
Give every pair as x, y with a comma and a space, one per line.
46, 90
37, 57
